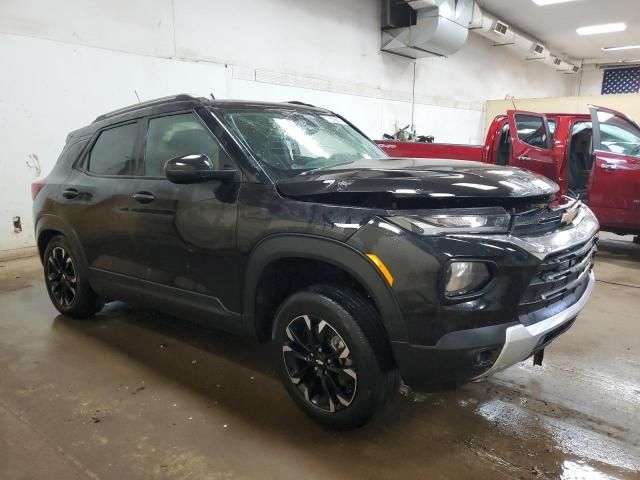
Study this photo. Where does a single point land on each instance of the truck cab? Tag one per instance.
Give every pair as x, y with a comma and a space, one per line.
594, 157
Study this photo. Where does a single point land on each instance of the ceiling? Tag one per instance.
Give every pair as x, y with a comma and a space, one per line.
555, 26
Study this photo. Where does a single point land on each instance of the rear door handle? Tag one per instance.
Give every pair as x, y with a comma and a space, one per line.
70, 193
143, 197
524, 158
609, 166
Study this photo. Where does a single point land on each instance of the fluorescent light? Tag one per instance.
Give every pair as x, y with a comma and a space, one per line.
544, 3
604, 28
624, 47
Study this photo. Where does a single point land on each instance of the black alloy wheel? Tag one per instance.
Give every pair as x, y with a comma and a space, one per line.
66, 279
333, 356
61, 275
319, 363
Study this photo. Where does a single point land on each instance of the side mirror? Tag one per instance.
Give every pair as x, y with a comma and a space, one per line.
195, 168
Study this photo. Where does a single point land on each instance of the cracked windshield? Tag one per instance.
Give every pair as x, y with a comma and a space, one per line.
291, 142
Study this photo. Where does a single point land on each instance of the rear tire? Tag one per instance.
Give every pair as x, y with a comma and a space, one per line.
333, 356
66, 280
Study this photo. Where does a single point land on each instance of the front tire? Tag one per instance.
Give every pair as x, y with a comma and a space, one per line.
331, 354
66, 280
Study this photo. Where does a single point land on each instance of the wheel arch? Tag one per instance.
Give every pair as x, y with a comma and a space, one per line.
48, 226
281, 247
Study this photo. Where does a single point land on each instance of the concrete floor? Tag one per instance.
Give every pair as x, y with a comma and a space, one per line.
136, 395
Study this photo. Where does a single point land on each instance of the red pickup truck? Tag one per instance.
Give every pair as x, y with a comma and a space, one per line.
593, 157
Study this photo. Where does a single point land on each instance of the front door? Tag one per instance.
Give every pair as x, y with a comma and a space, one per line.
614, 193
187, 233
532, 143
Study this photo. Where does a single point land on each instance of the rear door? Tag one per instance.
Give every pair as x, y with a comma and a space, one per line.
532, 143
614, 193
96, 194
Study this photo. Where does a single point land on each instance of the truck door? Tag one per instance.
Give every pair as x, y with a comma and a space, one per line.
532, 143
614, 192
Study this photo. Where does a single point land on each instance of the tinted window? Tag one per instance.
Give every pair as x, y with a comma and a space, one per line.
71, 152
112, 154
176, 136
618, 136
532, 131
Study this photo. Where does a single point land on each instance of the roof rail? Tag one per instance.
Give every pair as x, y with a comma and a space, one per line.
297, 102
149, 103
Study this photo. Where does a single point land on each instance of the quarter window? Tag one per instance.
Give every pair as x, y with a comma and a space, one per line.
176, 136
112, 154
532, 131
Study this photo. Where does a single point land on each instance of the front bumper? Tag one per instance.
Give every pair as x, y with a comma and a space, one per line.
521, 341
541, 310
467, 355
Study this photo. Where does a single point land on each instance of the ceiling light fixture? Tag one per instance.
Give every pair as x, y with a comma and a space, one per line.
604, 28
624, 47
544, 3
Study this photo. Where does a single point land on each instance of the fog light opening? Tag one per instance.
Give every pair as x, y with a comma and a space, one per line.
465, 278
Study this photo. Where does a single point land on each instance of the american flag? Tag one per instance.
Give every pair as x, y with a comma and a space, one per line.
621, 80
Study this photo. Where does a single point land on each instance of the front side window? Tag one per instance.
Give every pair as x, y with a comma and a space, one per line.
532, 131
178, 135
618, 136
112, 154
289, 142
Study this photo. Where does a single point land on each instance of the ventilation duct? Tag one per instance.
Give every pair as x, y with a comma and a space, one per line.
425, 28
502, 35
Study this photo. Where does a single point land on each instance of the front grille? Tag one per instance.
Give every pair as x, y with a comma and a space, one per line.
537, 222
559, 282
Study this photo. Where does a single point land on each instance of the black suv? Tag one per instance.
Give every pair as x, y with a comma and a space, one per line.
285, 222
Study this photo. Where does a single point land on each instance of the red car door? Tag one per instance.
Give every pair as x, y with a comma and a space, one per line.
614, 191
532, 143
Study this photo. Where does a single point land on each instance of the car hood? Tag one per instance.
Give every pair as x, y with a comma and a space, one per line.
426, 178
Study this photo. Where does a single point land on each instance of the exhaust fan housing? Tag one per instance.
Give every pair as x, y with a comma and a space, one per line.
501, 28
538, 49
425, 28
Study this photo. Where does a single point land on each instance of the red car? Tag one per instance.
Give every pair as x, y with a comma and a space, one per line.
593, 157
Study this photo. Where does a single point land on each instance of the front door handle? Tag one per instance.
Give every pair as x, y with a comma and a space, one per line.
143, 197
524, 158
70, 193
609, 166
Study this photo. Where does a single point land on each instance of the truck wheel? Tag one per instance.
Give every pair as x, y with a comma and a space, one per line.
331, 352
66, 281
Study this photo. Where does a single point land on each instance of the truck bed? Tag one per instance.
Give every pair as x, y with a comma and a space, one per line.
431, 150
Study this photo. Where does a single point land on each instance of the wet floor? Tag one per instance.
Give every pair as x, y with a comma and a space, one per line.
136, 395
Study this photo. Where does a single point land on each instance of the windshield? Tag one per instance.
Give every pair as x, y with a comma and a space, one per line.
291, 142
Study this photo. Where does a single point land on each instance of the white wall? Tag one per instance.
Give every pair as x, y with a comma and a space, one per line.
65, 62
591, 82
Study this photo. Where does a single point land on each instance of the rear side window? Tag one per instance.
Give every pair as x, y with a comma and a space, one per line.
112, 154
71, 152
532, 131
175, 136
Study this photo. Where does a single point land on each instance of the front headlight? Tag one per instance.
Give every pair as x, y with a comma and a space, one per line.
460, 220
463, 278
